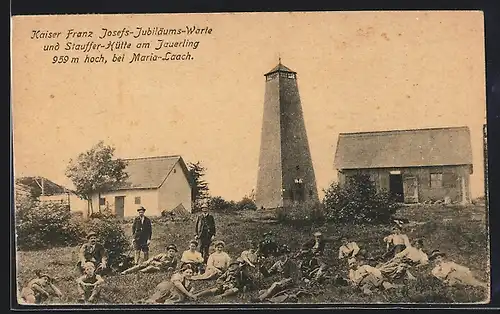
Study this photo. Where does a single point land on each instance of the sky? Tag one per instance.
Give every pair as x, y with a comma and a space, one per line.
356, 71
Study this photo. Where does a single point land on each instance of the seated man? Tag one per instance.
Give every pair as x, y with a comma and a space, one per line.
396, 242
315, 245
39, 290
89, 284
93, 252
452, 273
193, 257
176, 289
366, 277
312, 264
402, 261
160, 262
289, 274
230, 283
217, 263
348, 249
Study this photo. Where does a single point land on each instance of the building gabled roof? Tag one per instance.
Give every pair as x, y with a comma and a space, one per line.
280, 68
404, 148
34, 184
150, 172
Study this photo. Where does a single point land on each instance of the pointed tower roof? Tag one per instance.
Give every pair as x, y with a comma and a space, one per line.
280, 68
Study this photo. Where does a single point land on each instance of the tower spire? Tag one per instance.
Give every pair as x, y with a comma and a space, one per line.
279, 58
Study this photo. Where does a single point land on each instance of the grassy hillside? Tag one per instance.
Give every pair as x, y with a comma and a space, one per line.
458, 231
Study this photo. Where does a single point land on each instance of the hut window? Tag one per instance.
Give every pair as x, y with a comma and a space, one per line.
102, 201
137, 200
436, 180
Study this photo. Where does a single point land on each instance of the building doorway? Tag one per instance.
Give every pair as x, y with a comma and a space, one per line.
119, 206
396, 186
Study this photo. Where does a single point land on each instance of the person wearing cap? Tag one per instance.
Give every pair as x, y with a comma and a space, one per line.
396, 242
232, 281
89, 284
142, 231
411, 256
176, 289
315, 245
217, 263
286, 269
451, 273
94, 252
39, 289
205, 231
192, 256
160, 262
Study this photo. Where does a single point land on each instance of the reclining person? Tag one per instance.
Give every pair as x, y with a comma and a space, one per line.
176, 289
160, 262
39, 290
89, 284
348, 249
230, 283
288, 271
366, 277
396, 242
400, 264
452, 273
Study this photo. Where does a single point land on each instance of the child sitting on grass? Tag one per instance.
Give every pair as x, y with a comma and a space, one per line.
89, 284
39, 289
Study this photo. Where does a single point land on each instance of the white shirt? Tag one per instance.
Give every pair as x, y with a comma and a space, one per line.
397, 239
443, 269
413, 254
361, 272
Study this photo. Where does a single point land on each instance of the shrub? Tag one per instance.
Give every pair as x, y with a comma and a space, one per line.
112, 236
42, 225
246, 204
358, 201
219, 204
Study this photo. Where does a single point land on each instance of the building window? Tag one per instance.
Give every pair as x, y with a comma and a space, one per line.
175, 170
297, 167
436, 180
137, 200
102, 201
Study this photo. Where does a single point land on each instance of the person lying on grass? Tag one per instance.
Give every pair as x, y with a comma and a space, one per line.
348, 249
176, 289
366, 277
160, 262
217, 263
451, 273
230, 283
39, 290
396, 242
288, 272
193, 257
399, 265
89, 284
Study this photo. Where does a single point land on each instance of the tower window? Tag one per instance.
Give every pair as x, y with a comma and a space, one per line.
310, 193
297, 167
291, 75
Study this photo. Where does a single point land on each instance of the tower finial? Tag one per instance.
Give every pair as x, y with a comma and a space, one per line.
279, 58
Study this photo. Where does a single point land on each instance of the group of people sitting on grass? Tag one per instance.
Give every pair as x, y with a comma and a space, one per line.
290, 274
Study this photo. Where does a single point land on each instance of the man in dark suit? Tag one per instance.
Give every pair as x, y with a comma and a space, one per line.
94, 252
205, 231
142, 232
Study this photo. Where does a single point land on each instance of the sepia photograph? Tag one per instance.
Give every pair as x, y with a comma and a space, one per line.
250, 158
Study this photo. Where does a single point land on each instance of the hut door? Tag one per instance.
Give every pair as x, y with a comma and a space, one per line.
119, 206
410, 190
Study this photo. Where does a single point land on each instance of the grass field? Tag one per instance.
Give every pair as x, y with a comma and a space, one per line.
459, 231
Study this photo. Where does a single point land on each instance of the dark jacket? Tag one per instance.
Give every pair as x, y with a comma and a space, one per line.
89, 253
205, 226
142, 232
310, 244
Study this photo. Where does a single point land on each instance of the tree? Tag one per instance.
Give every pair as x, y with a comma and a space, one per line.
95, 171
199, 187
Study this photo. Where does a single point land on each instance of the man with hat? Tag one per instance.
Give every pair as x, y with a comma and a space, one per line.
93, 252
452, 273
142, 232
39, 289
160, 262
205, 231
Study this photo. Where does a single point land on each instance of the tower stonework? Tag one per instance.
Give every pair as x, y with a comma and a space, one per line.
286, 175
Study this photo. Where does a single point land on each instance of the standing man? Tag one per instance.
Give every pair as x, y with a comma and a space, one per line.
205, 231
142, 232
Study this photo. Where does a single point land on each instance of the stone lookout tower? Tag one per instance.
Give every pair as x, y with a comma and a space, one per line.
286, 174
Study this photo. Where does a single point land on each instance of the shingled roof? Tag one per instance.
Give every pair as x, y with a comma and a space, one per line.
150, 172
404, 148
280, 68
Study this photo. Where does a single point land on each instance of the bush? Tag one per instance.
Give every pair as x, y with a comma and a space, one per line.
246, 204
112, 236
358, 202
42, 225
219, 204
